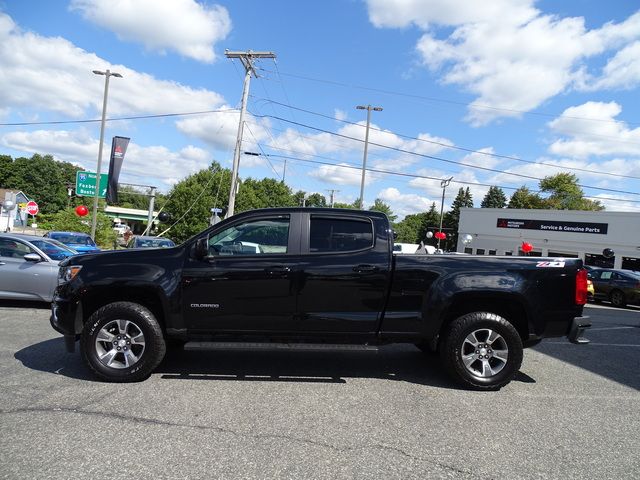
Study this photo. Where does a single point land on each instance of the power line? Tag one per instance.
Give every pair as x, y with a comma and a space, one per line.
116, 119
530, 177
455, 147
264, 154
452, 102
427, 177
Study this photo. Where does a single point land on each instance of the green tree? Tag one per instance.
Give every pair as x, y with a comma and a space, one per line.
524, 198
495, 198
191, 200
564, 193
41, 178
463, 199
67, 220
313, 200
380, 206
265, 193
413, 228
351, 206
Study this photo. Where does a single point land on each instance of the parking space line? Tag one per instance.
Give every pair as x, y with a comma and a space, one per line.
596, 344
609, 328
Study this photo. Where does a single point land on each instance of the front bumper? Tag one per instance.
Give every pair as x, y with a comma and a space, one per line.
578, 326
66, 318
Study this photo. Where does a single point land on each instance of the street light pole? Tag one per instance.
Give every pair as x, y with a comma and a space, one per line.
368, 108
107, 73
443, 184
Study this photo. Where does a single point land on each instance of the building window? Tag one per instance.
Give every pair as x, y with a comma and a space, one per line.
508, 253
562, 254
630, 263
479, 251
596, 260
532, 253
468, 250
492, 252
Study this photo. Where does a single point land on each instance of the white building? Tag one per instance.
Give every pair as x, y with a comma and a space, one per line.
553, 233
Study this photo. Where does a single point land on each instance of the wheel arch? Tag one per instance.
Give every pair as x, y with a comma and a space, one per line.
148, 296
509, 307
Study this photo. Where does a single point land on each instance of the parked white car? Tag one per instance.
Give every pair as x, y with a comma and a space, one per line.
121, 228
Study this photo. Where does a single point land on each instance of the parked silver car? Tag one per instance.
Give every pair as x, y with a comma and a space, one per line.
29, 266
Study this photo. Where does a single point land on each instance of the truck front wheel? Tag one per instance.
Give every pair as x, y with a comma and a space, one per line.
481, 350
122, 342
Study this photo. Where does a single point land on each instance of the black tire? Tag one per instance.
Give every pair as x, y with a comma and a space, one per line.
122, 342
618, 299
500, 358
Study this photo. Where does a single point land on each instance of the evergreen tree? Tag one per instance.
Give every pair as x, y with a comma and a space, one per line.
463, 199
380, 206
495, 198
413, 228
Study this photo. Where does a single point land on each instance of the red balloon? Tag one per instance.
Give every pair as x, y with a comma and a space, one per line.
440, 235
526, 247
81, 210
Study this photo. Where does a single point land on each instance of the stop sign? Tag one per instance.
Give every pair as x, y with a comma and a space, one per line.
32, 208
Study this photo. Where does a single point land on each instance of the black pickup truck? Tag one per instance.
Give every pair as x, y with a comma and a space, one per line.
316, 277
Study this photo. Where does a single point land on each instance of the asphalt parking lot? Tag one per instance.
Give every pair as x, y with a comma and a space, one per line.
573, 412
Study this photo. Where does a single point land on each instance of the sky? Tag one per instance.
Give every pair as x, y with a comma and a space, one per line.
499, 93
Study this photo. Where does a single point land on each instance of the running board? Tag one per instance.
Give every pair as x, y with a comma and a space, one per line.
307, 347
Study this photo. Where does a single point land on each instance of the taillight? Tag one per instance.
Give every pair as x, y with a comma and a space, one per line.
581, 287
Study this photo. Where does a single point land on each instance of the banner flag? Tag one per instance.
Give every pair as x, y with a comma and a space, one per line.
118, 149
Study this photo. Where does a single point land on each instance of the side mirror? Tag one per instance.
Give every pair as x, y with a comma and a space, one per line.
33, 257
202, 248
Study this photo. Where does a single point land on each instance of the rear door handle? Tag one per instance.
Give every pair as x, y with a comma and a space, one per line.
365, 268
277, 270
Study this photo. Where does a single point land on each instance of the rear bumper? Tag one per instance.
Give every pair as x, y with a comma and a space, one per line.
578, 326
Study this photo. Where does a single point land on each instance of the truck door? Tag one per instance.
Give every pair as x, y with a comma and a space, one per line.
344, 273
247, 283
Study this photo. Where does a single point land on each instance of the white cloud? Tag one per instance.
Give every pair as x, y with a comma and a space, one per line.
402, 13
342, 174
511, 55
150, 163
591, 129
621, 71
185, 26
403, 204
340, 114
55, 75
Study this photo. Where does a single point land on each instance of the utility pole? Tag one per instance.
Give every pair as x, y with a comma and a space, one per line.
443, 184
332, 190
247, 59
368, 108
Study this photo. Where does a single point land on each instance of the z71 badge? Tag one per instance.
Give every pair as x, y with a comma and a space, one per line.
556, 264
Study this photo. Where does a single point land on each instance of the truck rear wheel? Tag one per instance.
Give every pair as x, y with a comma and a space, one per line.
122, 342
482, 350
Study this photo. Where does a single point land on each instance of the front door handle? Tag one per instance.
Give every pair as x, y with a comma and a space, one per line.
365, 268
2, 263
277, 270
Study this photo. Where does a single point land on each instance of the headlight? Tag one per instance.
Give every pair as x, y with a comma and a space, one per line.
66, 274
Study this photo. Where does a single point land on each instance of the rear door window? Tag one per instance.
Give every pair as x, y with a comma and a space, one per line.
328, 235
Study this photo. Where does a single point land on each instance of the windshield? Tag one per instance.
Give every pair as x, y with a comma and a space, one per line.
53, 249
154, 243
71, 238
